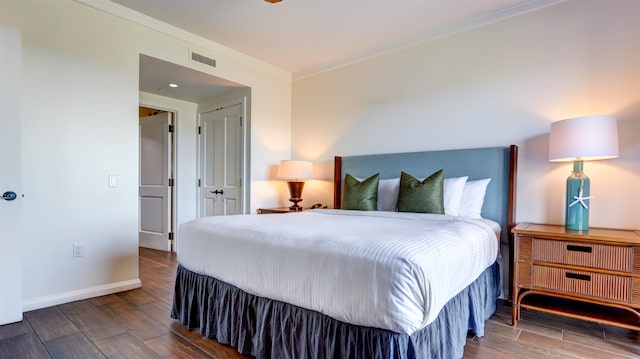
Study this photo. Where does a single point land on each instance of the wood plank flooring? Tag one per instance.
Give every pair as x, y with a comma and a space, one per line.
136, 324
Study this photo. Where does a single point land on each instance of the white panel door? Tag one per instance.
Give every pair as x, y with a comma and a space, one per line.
154, 196
10, 210
221, 161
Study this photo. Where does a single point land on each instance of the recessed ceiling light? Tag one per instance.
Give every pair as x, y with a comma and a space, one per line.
173, 85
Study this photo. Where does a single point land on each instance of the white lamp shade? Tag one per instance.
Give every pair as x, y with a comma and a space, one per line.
295, 170
584, 138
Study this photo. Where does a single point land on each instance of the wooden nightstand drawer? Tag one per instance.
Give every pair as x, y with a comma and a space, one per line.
592, 255
597, 285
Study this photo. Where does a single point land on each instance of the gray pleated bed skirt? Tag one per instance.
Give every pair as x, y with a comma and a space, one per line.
267, 328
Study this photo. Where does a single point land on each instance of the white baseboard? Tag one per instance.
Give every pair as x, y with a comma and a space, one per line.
71, 296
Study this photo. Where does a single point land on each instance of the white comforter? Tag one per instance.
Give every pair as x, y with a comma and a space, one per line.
386, 270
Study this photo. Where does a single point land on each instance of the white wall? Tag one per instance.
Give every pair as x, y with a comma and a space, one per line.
495, 85
80, 124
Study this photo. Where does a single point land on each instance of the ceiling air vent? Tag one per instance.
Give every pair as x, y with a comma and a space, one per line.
203, 59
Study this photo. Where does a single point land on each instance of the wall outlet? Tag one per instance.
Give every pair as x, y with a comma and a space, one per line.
78, 250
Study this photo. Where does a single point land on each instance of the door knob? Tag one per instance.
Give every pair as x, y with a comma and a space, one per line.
217, 191
9, 196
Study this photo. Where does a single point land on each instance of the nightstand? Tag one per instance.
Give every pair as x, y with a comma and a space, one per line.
278, 210
593, 276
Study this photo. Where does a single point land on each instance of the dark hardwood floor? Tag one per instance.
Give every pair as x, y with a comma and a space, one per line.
136, 324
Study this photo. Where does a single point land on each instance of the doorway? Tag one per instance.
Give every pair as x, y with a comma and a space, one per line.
195, 93
156, 179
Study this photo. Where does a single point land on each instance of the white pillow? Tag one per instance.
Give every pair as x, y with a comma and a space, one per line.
473, 198
453, 188
388, 190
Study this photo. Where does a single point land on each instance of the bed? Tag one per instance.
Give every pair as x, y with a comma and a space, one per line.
248, 287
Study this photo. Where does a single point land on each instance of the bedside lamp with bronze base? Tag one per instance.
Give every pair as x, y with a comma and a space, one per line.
295, 172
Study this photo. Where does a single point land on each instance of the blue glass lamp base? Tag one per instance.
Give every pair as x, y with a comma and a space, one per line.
577, 207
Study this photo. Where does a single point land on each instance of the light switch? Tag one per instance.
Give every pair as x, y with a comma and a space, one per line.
113, 181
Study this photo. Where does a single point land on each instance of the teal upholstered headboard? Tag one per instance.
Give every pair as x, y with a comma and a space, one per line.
497, 163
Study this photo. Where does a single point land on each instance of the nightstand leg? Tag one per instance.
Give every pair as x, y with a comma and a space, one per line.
515, 315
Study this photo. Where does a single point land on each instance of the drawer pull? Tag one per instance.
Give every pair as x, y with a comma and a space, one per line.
578, 276
574, 248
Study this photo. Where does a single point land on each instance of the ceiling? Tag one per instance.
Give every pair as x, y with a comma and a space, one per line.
308, 36
193, 86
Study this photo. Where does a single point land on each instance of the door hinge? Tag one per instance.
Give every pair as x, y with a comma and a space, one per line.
170, 236
240, 121
199, 130
170, 182
171, 128
199, 183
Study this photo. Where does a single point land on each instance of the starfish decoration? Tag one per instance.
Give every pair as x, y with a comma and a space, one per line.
580, 199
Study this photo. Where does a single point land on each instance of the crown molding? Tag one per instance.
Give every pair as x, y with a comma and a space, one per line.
488, 18
138, 18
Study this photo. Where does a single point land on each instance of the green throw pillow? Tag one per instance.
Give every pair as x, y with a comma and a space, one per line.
361, 196
421, 197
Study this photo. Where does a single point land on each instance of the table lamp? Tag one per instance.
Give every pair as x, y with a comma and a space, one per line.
295, 172
581, 139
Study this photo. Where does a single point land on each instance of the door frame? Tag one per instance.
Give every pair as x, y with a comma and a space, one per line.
173, 173
242, 101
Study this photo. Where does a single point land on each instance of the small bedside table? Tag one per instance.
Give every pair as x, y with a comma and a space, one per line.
278, 210
593, 276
